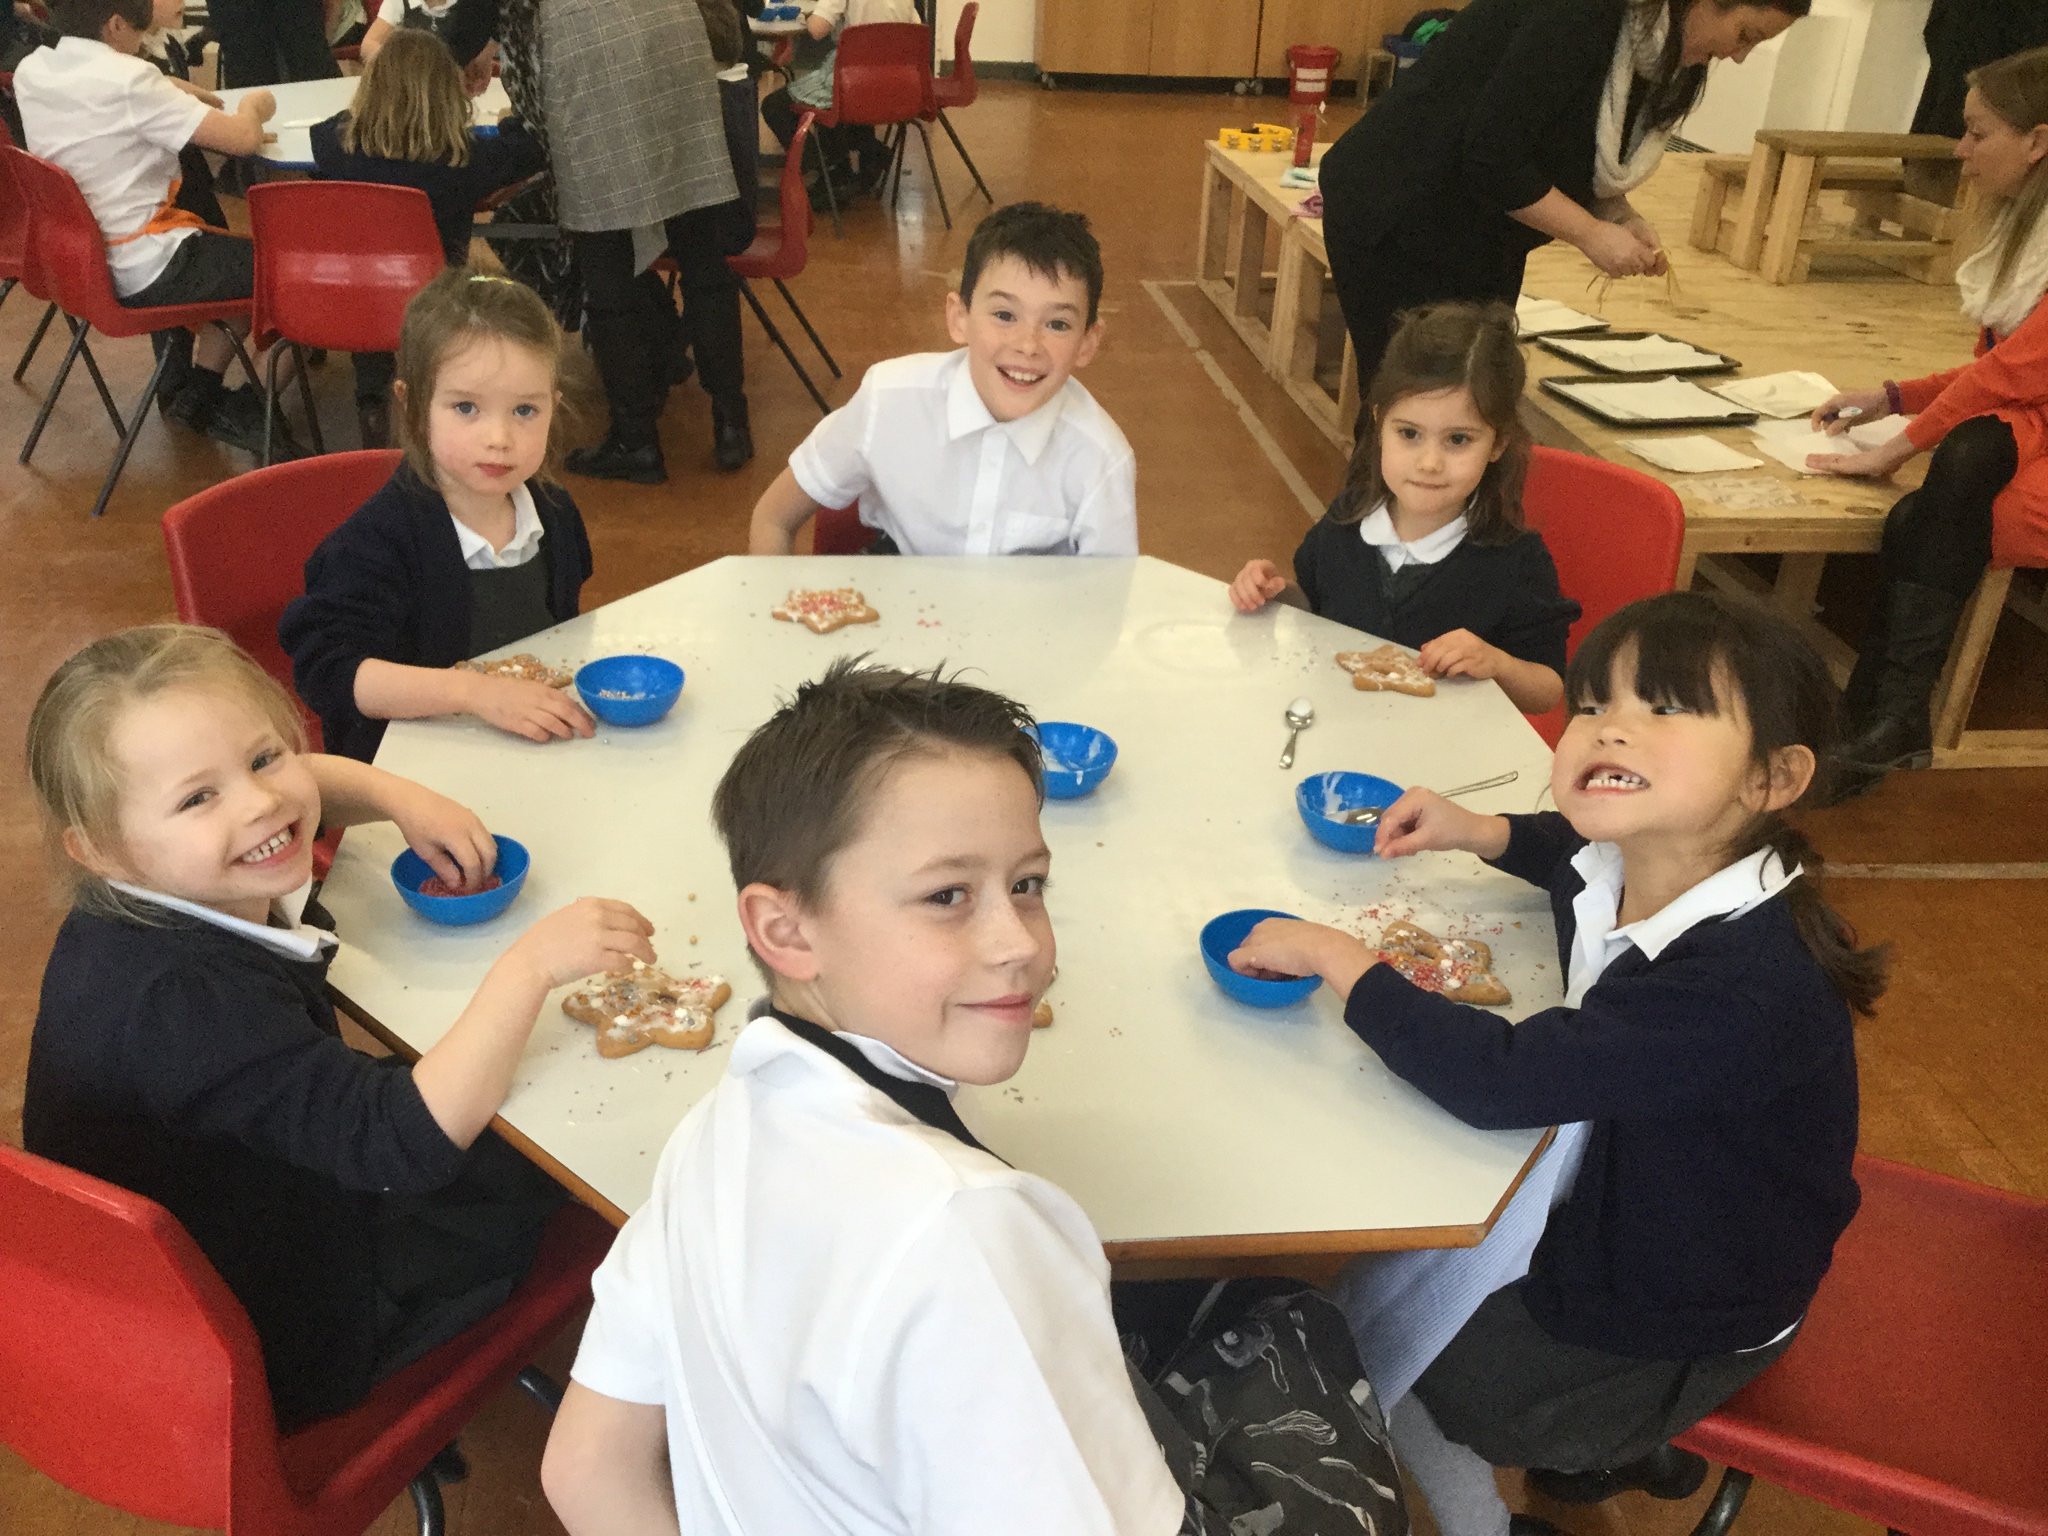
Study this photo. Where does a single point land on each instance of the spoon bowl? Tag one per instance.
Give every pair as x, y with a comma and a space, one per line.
1301, 714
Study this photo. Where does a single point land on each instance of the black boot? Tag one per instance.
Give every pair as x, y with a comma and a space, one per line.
1666, 1473
374, 419
1909, 644
1531, 1525
732, 443
616, 460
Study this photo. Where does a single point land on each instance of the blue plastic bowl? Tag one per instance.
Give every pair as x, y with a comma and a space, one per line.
409, 872
650, 687
1077, 757
1322, 797
1220, 935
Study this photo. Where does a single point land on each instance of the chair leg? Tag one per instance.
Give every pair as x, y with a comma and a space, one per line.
35, 433
541, 1387
895, 171
747, 292
804, 321
28, 353
1726, 1504
306, 400
932, 165
831, 197
269, 408
128, 437
99, 382
966, 159
426, 1505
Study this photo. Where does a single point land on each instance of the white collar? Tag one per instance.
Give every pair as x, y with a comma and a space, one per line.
1377, 529
967, 413
1731, 891
301, 941
477, 553
885, 1057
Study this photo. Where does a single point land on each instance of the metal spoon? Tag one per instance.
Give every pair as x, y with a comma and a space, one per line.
1369, 815
1301, 714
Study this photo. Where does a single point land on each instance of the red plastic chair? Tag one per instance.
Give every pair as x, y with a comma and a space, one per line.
68, 254
1614, 533
133, 1377
782, 251
839, 531
1913, 1395
336, 264
14, 242
882, 78
959, 89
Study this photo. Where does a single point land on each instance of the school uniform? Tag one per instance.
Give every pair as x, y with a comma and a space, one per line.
413, 15
1713, 1067
495, 160
857, 1320
1362, 574
194, 1059
936, 473
400, 582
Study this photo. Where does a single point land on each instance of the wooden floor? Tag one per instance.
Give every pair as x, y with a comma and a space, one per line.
1953, 1075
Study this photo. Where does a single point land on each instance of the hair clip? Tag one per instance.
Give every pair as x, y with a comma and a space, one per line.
492, 277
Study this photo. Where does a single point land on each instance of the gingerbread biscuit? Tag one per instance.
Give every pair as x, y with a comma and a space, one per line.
1041, 1015
647, 1007
523, 668
824, 609
1460, 969
1389, 669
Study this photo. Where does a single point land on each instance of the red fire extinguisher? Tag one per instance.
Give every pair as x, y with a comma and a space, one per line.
1308, 84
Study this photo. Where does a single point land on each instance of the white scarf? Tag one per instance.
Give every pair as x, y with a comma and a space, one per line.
1637, 52
2002, 310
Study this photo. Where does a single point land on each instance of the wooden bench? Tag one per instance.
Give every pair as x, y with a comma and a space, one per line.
1788, 167
1741, 238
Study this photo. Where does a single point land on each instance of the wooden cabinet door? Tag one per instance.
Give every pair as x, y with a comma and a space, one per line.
1095, 37
1215, 38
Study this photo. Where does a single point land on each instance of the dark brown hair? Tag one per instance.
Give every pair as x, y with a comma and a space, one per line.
1678, 86
88, 18
1050, 241
1451, 346
465, 304
1705, 653
795, 794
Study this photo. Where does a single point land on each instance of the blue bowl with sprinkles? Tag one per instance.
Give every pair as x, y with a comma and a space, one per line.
630, 690
409, 872
1220, 935
1077, 757
1323, 797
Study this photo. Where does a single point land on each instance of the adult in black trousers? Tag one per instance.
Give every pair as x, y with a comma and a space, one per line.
1525, 121
266, 42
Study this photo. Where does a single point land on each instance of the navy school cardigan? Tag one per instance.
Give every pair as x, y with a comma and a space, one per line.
495, 160
390, 584
1721, 1082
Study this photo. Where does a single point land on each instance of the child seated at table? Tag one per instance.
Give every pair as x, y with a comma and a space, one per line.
469, 546
409, 126
1425, 544
1702, 1064
395, 16
185, 1047
96, 109
994, 449
811, 65
837, 1311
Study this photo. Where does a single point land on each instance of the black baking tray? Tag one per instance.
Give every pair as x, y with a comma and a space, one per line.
1740, 418
1726, 364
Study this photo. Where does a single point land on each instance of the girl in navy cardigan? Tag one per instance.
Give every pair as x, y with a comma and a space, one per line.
1425, 546
1702, 1064
469, 547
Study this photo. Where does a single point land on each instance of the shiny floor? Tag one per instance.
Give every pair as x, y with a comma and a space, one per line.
1953, 1077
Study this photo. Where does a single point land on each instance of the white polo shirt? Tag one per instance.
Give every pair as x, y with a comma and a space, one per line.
1377, 530
941, 476
858, 1324
116, 124
297, 940
477, 554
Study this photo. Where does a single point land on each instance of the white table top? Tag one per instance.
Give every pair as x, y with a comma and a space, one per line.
762, 28
1169, 1111
302, 103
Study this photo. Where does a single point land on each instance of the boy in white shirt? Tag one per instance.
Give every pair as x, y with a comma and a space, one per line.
96, 109
994, 449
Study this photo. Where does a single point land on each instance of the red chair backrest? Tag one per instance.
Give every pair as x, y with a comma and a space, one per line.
128, 1371
839, 531
882, 72
65, 249
238, 550
1614, 533
338, 261
782, 250
13, 214
958, 89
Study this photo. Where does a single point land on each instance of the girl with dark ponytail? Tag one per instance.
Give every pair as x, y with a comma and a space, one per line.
1701, 1069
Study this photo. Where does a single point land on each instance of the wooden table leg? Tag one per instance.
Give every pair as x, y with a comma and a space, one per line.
1212, 227
1248, 283
1958, 690
1291, 287
1788, 217
1795, 592
1688, 568
1747, 246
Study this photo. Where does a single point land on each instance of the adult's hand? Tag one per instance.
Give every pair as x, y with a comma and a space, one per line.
1618, 252
478, 72
1646, 232
1871, 463
1868, 405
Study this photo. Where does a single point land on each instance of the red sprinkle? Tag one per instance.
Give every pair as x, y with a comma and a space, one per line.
434, 885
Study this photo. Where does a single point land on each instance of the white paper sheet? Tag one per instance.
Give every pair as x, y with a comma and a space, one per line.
1789, 442
1783, 395
1644, 354
1547, 317
1652, 400
1690, 455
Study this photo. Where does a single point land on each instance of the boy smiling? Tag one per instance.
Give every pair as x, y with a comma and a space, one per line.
993, 449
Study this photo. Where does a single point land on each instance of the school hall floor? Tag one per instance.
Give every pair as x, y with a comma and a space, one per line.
1949, 866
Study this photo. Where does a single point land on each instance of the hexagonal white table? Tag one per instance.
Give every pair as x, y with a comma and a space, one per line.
1187, 1125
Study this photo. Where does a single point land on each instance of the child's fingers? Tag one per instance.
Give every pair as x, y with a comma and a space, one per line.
447, 866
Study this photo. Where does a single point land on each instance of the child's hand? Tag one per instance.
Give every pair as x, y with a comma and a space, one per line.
1423, 821
584, 938
458, 847
532, 710
1460, 653
1286, 946
259, 104
1256, 585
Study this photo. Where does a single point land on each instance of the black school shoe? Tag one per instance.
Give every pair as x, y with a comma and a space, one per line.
732, 440
1532, 1525
1666, 1473
233, 417
613, 460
